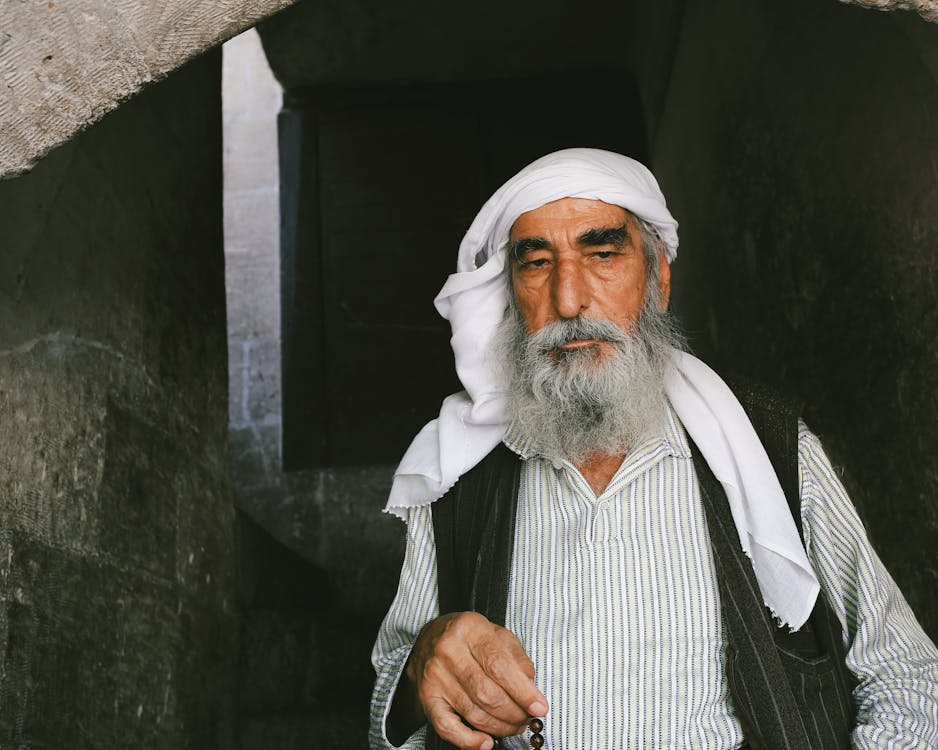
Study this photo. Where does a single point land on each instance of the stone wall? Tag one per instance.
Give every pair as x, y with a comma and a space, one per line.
376, 43
250, 103
117, 582
304, 670
64, 65
804, 172
928, 9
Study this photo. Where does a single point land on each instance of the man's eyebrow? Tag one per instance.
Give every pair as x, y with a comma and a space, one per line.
521, 246
615, 236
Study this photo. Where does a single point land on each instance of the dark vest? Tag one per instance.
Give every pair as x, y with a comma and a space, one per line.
790, 691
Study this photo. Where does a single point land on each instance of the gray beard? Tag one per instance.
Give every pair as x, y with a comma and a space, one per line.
582, 403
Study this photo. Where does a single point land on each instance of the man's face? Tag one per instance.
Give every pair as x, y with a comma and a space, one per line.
580, 257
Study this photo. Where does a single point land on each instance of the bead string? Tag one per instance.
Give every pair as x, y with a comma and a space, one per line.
537, 739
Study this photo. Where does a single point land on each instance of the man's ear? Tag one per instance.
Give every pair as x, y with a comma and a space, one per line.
664, 281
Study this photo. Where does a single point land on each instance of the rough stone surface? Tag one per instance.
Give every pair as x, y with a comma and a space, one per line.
305, 674
807, 189
368, 42
118, 616
251, 100
928, 9
245, 211
312, 613
63, 65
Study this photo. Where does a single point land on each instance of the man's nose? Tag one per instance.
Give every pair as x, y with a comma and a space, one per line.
570, 290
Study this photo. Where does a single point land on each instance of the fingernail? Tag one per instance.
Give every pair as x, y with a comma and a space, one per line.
537, 709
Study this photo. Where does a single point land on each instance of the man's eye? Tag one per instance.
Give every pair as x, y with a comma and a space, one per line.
534, 263
603, 254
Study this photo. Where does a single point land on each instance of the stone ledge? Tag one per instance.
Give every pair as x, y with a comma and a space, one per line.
65, 65
927, 9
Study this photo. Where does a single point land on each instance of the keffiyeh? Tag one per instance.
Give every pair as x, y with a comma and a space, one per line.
472, 422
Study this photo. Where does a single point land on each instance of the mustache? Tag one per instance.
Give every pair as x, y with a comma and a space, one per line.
560, 332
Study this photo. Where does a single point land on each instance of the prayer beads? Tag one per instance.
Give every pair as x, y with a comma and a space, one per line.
537, 739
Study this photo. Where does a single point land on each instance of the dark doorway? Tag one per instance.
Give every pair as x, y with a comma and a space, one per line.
378, 187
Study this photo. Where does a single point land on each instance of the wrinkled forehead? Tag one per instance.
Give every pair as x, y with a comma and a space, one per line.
570, 216
574, 173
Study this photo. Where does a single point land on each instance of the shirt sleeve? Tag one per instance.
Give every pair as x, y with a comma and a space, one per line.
892, 657
414, 605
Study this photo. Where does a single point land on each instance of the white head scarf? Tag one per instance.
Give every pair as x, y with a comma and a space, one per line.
472, 422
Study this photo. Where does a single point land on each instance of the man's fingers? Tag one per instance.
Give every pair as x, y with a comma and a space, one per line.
450, 727
488, 661
451, 696
468, 670
489, 708
504, 660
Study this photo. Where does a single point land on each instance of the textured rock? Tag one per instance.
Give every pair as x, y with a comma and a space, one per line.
304, 673
367, 42
807, 190
63, 65
927, 9
118, 618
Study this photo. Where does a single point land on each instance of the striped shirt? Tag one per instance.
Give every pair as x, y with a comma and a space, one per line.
615, 599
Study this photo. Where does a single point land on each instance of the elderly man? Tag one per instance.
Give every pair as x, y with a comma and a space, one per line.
601, 548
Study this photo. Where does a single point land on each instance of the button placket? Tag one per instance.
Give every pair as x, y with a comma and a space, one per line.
580, 495
602, 519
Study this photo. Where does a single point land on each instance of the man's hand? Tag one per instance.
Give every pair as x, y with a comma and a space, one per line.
467, 670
